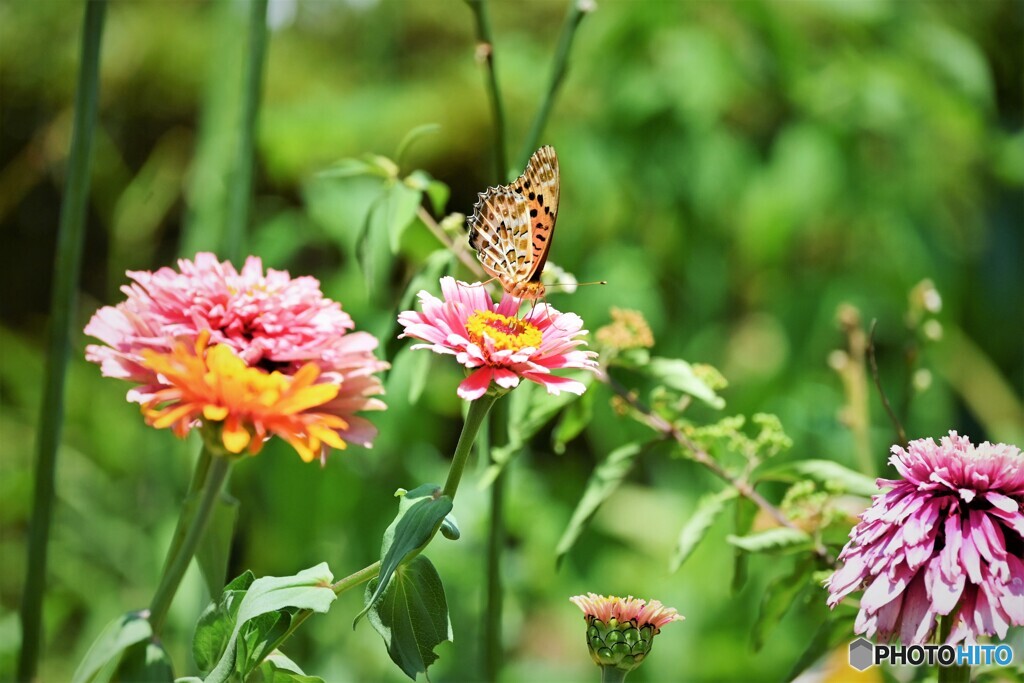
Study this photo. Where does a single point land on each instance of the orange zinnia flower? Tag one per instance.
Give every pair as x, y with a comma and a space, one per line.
212, 386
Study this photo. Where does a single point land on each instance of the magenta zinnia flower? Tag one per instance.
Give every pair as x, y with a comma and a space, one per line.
620, 631
497, 346
947, 539
271, 321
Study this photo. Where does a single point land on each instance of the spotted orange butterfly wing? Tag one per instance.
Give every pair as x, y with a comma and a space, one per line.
512, 226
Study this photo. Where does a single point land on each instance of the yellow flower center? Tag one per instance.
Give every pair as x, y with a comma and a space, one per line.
506, 333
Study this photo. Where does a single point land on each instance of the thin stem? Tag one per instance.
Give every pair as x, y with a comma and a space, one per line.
199, 474
438, 232
577, 10
951, 674
485, 53
854, 376
698, 454
241, 187
478, 410
182, 555
67, 267
498, 433
900, 432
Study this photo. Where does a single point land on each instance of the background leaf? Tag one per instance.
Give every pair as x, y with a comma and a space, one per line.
709, 507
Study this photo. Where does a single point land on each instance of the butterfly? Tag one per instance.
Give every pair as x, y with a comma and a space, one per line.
512, 226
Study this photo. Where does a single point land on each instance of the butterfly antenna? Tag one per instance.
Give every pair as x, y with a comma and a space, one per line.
576, 284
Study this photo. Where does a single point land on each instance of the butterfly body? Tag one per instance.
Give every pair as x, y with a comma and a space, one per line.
512, 226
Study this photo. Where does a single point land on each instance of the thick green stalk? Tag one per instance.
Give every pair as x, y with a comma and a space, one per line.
485, 52
611, 674
951, 674
181, 552
577, 10
478, 410
241, 185
67, 267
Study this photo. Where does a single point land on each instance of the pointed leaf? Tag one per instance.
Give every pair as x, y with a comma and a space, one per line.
824, 472
829, 635
779, 596
679, 375
145, 661
400, 208
412, 615
215, 625
605, 479
697, 526
106, 650
573, 421
778, 539
278, 668
414, 135
420, 514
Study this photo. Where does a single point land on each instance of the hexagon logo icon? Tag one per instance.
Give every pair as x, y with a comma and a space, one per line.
861, 654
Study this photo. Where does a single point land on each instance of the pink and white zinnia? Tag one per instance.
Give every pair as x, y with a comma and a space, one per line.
947, 539
498, 347
270, 320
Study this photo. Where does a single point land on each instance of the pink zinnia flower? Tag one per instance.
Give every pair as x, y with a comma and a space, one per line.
620, 631
497, 346
947, 539
270, 320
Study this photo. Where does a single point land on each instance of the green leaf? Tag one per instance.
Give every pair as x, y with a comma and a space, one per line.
679, 375
373, 245
145, 661
215, 546
743, 520
426, 278
779, 596
437, 191
420, 514
400, 205
778, 539
697, 526
414, 135
278, 668
829, 635
213, 630
412, 615
824, 472
573, 421
605, 479
310, 589
347, 168
106, 650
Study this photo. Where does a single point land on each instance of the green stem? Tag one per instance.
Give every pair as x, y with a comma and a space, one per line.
485, 51
577, 10
495, 542
951, 674
67, 267
611, 674
180, 554
241, 187
478, 410
199, 475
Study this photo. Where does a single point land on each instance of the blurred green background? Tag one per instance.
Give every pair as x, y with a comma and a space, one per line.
735, 170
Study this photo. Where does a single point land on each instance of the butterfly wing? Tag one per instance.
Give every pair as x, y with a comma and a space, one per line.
512, 225
539, 185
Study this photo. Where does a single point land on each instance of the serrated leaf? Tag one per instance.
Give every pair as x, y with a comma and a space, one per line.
779, 595
106, 650
412, 615
420, 514
828, 636
824, 471
743, 519
310, 589
697, 526
215, 547
605, 479
679, 375
778, 539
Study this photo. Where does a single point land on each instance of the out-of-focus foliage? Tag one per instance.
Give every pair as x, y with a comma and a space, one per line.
736, 171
